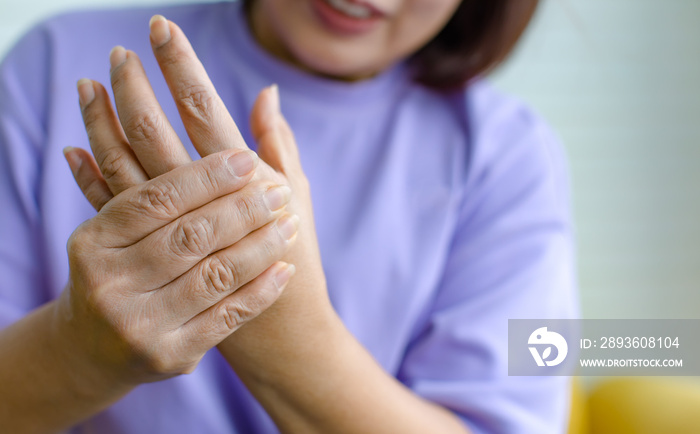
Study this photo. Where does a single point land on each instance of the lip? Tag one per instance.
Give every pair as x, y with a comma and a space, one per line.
341, 24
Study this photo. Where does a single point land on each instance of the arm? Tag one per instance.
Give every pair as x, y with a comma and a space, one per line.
511, 257
311, 375
41, 373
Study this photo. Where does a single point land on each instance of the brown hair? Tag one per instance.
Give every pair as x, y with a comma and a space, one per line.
478, 37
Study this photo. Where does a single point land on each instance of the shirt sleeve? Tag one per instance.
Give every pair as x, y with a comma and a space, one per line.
24, 92
511, 257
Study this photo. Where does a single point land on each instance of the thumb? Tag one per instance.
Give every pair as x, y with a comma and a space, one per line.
276, 144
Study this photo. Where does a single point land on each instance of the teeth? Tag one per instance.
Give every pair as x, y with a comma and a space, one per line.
351, 9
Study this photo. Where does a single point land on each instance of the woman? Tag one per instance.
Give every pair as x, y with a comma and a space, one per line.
440, 211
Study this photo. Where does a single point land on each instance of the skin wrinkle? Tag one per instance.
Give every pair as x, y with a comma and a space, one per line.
194, 236
197, 103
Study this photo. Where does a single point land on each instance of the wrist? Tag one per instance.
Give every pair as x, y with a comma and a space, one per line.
43, 373
90, 377
292, 331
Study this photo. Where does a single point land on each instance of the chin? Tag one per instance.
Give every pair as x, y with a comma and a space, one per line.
337, 62
303, 40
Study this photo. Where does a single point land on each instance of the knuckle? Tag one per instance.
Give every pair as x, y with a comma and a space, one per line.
79, 241
82, 259
100, 297
113, 164
220, 276
197, 102
154, 358
75, 243
248, 212
159, 199
235, 315
209, 174
253, 304
194, 236
98, 300
145, 126
156, 362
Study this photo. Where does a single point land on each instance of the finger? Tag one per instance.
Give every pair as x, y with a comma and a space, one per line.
139, 211
212, 326
114, 156
222, 273
150, 135
88, 177
197, 234
205, 117
276, 143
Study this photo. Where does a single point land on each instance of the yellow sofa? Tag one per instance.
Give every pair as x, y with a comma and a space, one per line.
637, 405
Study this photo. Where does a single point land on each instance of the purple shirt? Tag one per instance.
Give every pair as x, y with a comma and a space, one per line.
439, 217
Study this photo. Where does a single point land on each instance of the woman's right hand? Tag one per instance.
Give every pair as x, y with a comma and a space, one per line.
171, 267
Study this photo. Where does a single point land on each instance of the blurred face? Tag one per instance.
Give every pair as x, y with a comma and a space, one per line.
347, 39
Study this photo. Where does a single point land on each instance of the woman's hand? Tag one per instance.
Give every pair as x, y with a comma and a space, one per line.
140, 144
155, 276
170, 268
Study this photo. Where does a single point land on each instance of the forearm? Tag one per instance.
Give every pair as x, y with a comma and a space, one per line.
318, 378
43, 387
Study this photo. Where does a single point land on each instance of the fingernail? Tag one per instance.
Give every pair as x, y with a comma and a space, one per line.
242, 163
72, 158
117, 56
284, 274
275, 92
86, 91
160, 30
288, 226
277, 197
